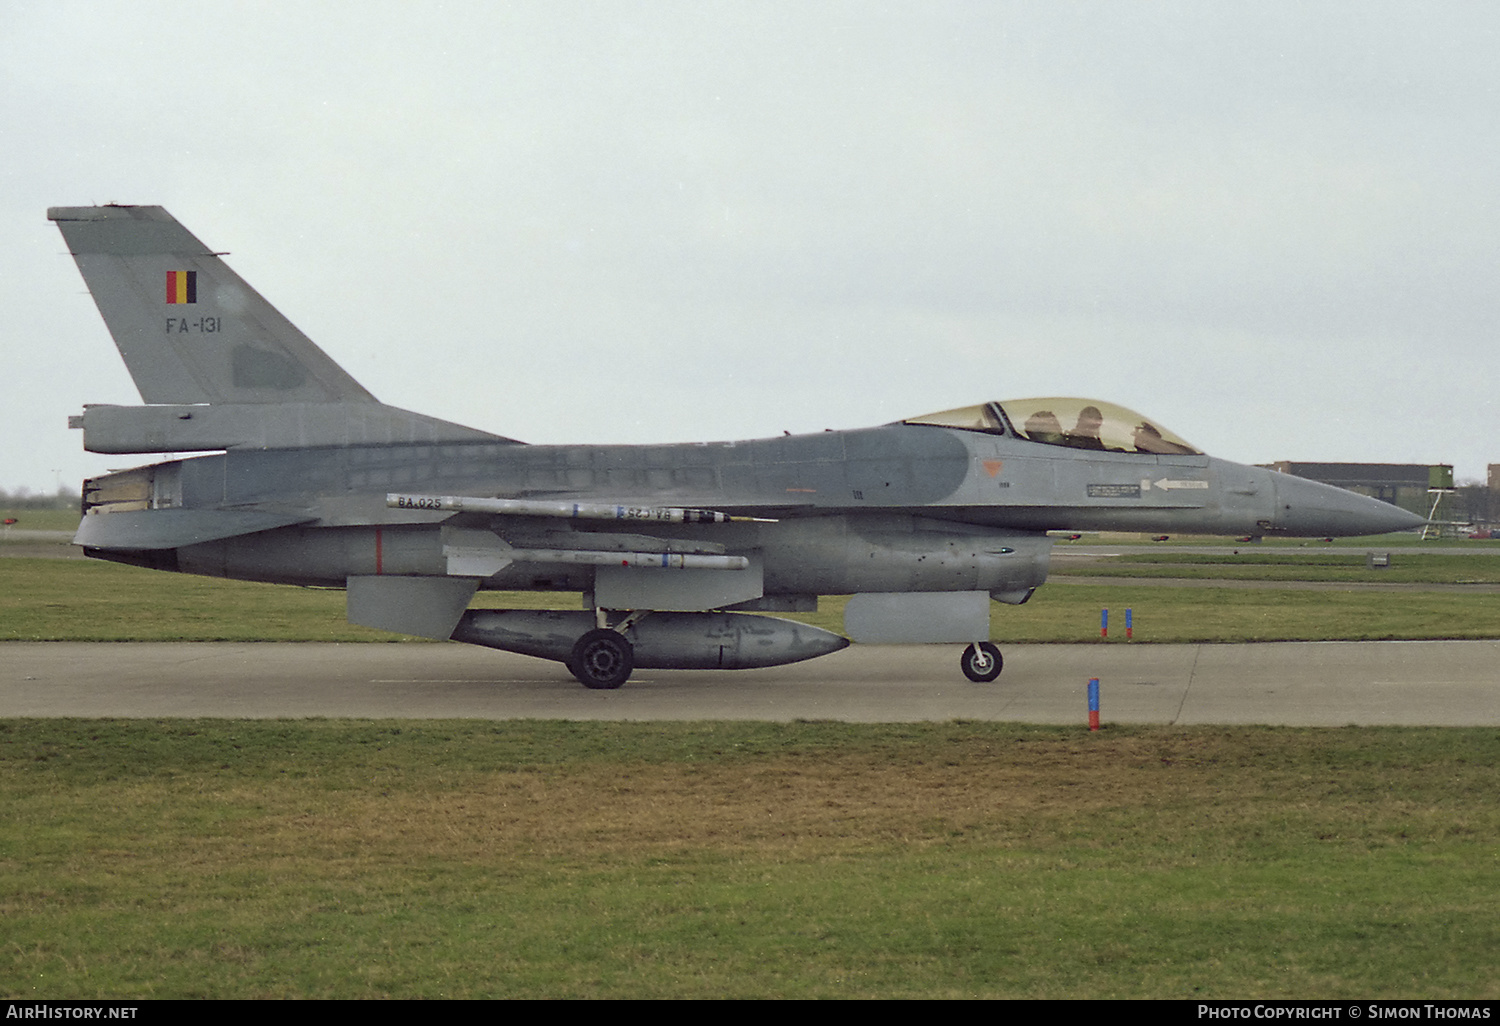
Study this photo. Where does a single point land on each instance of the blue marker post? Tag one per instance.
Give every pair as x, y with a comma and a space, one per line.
1127, 623
1093, 703
1103, 624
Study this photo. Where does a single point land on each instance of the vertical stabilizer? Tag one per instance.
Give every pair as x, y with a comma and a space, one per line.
189, 328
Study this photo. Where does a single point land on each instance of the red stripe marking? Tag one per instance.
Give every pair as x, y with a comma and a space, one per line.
379, 554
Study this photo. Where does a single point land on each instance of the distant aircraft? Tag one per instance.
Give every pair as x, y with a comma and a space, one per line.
923, 522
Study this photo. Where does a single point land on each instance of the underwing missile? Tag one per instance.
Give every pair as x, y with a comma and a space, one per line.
569, 510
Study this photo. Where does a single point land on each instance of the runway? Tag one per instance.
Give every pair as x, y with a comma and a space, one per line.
1446, 683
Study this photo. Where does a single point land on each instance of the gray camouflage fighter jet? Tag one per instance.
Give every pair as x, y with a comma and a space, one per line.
317, 483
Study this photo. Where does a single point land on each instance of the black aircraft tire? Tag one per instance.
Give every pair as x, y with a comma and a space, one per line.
602, 660
982, 663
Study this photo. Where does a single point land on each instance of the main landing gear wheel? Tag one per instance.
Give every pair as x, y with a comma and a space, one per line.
602, 660
981, 662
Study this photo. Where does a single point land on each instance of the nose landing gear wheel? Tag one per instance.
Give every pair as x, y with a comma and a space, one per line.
981, 662
602, 660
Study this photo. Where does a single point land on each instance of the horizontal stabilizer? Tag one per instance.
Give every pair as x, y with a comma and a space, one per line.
174, 528
183, 428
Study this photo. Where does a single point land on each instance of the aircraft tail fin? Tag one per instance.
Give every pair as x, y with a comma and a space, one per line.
190, 329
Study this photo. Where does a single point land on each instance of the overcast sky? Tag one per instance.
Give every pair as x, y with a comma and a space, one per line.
1272, 227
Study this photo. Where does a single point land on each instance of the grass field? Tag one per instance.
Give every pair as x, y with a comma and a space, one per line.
318, 858
1293, 565
535, 859
42, 519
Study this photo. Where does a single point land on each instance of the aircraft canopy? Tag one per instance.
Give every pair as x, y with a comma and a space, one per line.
1072, 422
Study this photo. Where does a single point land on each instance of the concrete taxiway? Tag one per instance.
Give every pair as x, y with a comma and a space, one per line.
1450, 683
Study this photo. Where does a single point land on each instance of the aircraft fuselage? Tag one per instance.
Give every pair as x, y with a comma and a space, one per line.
896, 508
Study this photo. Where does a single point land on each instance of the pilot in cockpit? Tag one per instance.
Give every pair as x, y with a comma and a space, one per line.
1043, 426
1085, 434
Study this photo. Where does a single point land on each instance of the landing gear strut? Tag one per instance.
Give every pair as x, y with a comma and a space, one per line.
602, 659
981, 662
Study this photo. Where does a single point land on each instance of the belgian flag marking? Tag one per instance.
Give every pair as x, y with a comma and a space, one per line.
182, 286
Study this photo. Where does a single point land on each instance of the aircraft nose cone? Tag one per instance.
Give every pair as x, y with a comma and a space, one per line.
1311, 508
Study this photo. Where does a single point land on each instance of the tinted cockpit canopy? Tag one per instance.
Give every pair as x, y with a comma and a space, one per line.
1076, 423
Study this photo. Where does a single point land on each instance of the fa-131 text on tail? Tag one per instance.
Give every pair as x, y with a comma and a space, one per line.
673, 547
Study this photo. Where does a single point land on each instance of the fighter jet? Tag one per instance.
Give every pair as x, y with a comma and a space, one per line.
677, 550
